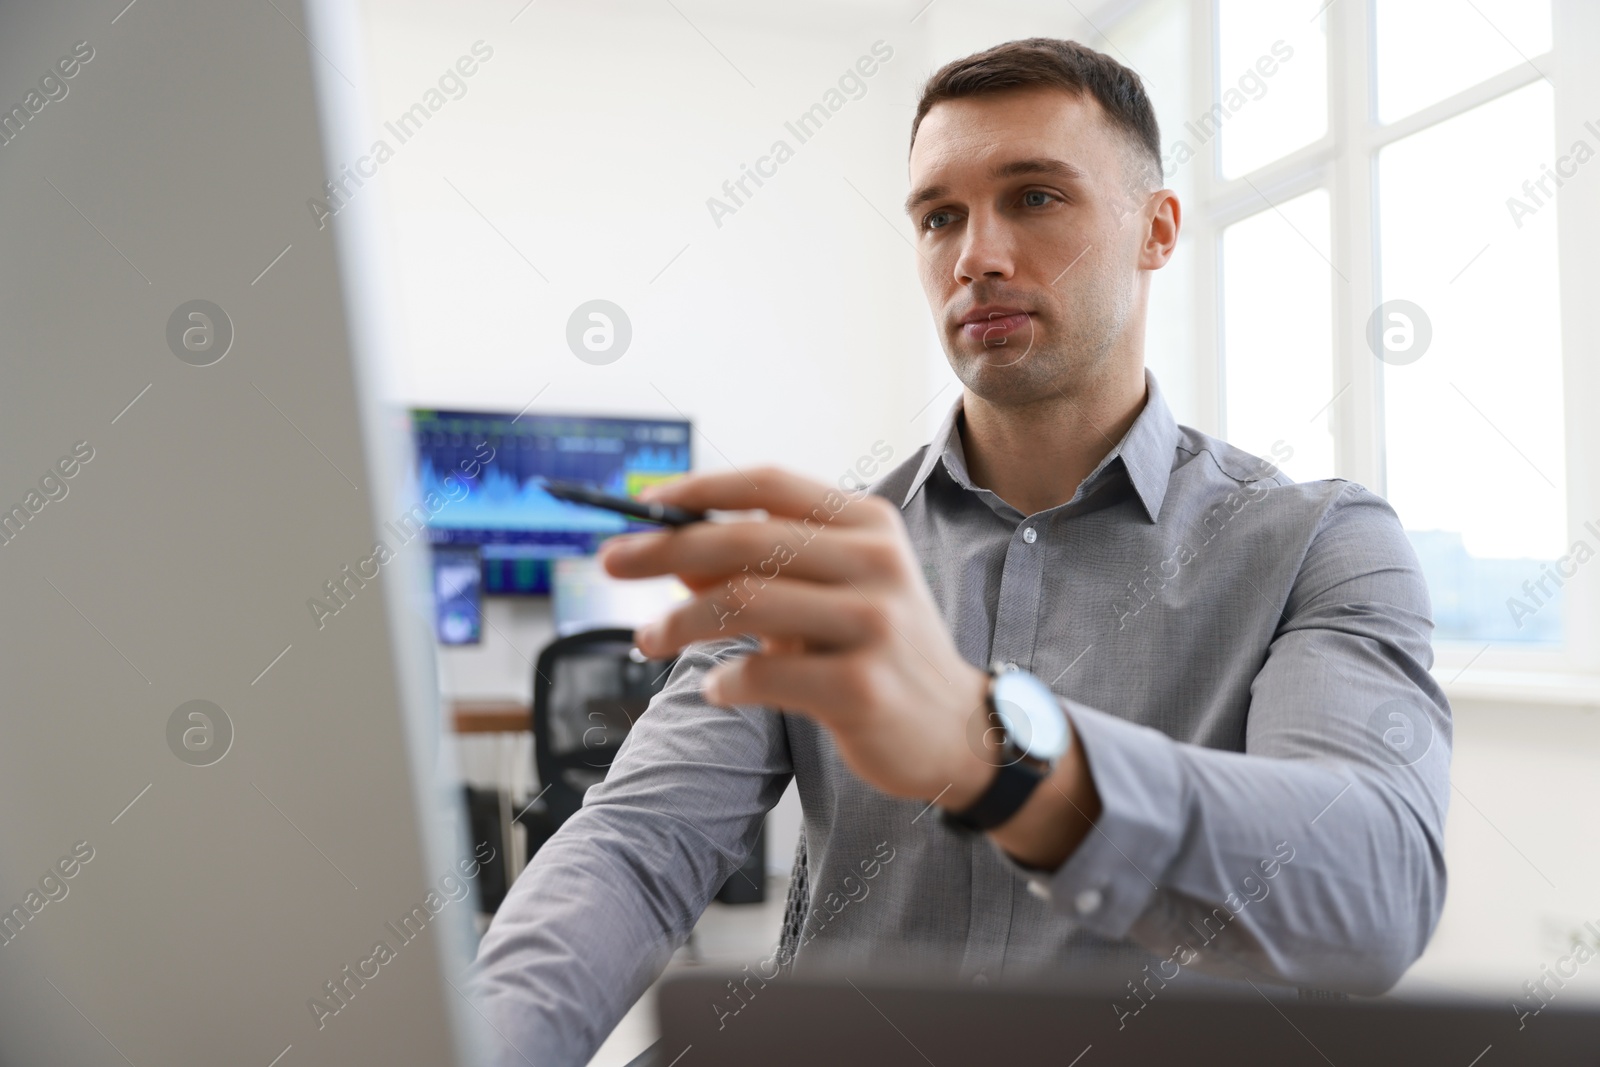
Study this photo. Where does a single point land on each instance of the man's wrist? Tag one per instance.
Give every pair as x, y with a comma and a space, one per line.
1060, 811
982, 753
1048, 828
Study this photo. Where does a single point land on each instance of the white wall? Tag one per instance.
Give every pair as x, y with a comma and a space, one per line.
1524, 874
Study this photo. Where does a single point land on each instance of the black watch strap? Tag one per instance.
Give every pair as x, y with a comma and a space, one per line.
1012, 786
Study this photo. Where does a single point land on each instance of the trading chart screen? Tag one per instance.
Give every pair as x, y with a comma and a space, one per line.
481, 473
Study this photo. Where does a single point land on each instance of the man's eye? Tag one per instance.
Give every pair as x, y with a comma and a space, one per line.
935, 220
1036, 198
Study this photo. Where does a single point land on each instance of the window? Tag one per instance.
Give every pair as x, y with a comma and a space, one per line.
1463, 44
1473, 426
1277, 333
1404, 282
1272, 81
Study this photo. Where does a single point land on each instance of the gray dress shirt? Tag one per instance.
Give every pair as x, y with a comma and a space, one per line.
1244, 660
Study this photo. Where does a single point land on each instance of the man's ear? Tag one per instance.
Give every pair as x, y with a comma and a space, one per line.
1161, 236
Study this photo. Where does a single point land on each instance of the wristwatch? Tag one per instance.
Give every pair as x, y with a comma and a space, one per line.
1035, 737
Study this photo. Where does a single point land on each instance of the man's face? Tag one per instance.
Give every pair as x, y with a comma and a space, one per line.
1032, 222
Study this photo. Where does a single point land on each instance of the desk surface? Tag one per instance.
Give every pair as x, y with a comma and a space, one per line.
490, 716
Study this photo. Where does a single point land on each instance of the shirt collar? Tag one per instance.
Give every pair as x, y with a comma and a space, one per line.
1145, 452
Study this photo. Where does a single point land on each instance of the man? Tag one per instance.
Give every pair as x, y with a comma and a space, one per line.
1239, 766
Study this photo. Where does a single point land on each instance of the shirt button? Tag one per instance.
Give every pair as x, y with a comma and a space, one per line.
1039, 888
1030, 535
1088, 901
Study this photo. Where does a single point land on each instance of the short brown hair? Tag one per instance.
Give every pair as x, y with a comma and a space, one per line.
1051, 62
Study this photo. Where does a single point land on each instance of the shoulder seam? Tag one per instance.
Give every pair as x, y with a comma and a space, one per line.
1277, 476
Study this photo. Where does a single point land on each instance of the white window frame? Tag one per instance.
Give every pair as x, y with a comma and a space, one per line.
1344, 161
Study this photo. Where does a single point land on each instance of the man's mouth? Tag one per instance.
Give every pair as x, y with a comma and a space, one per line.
992, 324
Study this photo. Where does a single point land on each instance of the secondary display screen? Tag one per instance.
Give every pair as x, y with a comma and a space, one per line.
482, 473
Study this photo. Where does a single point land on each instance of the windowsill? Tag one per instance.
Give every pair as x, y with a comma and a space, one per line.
1549, 688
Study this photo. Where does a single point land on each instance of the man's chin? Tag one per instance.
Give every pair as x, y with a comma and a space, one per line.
1021, 382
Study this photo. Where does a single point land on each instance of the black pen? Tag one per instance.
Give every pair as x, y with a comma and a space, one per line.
649, 511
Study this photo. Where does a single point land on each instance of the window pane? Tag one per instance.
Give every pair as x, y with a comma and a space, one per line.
1277, 331
1473, 418
1272, 82
1431, 49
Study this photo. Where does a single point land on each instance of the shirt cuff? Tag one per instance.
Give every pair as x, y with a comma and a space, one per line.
1107, 883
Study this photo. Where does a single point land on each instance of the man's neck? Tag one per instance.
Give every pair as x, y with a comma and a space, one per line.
1034, 457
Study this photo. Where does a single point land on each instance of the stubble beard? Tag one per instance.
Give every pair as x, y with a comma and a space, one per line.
1045, 370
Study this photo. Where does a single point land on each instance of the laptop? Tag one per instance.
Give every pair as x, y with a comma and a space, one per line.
882, 1020
228, 827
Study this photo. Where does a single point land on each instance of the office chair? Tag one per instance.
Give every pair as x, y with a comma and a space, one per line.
795, 905
588, 688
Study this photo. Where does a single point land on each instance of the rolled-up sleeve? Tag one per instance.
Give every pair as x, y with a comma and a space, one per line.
1315, 857
598, 912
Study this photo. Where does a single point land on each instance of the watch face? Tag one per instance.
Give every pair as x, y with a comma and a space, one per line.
1032, 715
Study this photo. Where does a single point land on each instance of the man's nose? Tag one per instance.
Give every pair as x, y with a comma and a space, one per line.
987, 251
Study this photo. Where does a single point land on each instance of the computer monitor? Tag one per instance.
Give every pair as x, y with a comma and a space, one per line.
484, 471
830, 1014
224, 777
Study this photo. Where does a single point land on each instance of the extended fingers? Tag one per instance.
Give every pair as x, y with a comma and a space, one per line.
808, 683
772, 489
704, 554
782, 611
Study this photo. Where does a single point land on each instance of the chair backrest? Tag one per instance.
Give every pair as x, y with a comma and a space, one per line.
588, 690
